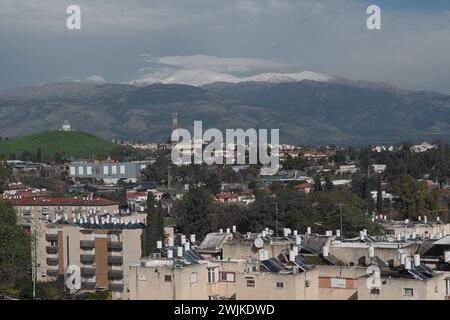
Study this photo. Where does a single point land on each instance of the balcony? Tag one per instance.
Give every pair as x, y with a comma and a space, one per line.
52, 272
52, 261
88, 285
51, 249
115, 287
115, 246
88, 272
115, 260
115, 274
87, 244
87, 258
51, 237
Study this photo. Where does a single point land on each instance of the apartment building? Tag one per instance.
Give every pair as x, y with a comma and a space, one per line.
103, 251
109, 171
423, 228
50, 208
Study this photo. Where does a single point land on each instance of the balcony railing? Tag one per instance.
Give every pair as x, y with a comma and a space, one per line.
52, 261
115, 260
115, 287
88, 272
87, 244
88, 285
87, 258
52, 272
115, 274
51, 237
115, 246
51, 249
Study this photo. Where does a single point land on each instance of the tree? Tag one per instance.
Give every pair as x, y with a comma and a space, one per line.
329, 186
15, 246
194, 210
317, 183
151, 226
213, 183
379, 197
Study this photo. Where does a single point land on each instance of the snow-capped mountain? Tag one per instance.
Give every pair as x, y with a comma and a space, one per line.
203, 77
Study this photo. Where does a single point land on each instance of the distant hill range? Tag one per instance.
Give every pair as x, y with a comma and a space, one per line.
72, 144
321, 111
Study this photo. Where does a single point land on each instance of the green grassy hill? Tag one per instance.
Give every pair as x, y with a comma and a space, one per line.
71, 144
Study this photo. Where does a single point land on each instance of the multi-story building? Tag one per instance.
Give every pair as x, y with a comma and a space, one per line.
103, 252
109, 171
51, 207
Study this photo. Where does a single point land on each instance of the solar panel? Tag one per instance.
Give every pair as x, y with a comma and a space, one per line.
417, 275
271, 265
377, 261
299, 262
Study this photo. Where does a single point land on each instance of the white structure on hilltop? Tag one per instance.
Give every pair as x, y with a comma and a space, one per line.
66, 126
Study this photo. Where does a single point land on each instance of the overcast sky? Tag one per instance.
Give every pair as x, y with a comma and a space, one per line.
124, 40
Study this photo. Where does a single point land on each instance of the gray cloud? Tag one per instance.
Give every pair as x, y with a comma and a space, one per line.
248, 35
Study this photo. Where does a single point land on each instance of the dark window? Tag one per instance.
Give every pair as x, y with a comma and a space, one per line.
279, 285
250, 283
167, 278
408, 292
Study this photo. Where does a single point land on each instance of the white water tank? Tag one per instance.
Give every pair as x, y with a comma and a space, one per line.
169, 254
292, 255
180, 251
308, 230
192, 237
325, 251
371, 252
159, 244
298, 240
402, 258
408, 263
417, 260
447, 256
234, 229
295, 232
228, 230
338, 233
295, 249
187, 246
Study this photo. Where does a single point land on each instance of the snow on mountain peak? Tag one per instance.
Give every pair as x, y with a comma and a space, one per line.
203, 77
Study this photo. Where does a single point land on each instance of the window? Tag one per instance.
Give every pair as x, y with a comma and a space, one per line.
72, 171
114, 170
212, 275
105, 170
89, 170
193, 277
448, 286
167, 278
80, 171
279, 285
122, 169
227, 277
250, 283
408, 292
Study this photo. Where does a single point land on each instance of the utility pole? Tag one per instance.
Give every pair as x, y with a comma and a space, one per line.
34, 263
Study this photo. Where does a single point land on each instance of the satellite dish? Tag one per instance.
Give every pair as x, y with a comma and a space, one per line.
259, 243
